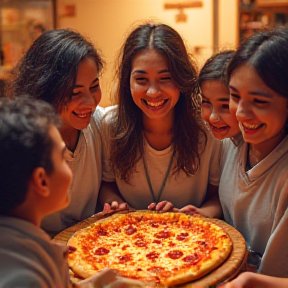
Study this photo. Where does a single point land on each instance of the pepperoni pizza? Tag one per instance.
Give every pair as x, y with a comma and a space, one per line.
163, 248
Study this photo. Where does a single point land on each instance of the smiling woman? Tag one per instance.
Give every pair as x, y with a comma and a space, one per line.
253, 188
63, 68
157, 150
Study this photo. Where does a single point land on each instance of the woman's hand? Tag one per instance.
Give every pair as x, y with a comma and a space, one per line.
163, 206
115, 206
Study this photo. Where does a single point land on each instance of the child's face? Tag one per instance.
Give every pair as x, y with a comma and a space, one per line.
215, 109
152, 87
60, 179
261, 112
86, 96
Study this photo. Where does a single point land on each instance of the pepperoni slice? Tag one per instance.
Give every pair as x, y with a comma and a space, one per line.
182, 236
102, 232
130, 230
152, 255
125, 258
162, 234
140, 243
175, 254
192, 259
157, 241
101, 251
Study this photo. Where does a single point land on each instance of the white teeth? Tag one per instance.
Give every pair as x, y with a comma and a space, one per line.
155, 104
250, 126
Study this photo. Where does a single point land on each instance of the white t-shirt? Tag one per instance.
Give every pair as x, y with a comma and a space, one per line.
28, 258
256, 202
180, 189
86, 164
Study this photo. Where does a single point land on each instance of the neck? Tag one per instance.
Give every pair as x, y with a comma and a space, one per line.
158, 133
258, 152
70, 137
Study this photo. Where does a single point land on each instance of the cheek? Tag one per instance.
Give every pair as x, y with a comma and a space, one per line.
206, 113
233, 108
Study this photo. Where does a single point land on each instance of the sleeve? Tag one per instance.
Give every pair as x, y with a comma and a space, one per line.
275, 258
108, 174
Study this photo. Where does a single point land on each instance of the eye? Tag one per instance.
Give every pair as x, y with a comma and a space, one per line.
234, 97
140, 80
225, 106
166, 78
95, 87
258, 101
205, 102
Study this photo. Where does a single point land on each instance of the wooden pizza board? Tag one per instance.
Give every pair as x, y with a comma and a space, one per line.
233, 265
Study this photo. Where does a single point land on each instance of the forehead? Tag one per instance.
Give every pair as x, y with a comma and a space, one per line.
214, 89
150, 58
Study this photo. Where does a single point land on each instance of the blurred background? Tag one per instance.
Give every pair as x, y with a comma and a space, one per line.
207, 26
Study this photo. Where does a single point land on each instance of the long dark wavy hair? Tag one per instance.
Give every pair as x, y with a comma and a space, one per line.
127, 128
48, 70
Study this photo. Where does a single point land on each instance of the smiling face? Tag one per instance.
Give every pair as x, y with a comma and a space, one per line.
261, 112
86, 96
152, 87
215, 109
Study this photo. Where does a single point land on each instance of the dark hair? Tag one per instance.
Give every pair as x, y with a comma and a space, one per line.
48, 70
25, 145
215, 67
127, 138
267, 53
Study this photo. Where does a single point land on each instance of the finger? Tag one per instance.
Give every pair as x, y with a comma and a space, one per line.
152, 206
168, 207
123, 206
161, 205
114, 205
106, 208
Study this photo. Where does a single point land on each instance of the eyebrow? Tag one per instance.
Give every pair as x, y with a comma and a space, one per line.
220, 99
144, 72
95, 80
255, 93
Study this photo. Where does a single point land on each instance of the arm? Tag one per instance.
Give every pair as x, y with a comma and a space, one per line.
110, 198
211, 207
108, 278
254, 280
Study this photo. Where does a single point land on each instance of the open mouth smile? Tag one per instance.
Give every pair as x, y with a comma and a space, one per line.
154, 104
247, 126
82, 115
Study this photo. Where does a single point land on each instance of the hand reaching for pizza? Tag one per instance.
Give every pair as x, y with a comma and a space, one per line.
109, 278
115, 206
163, 206
191, 210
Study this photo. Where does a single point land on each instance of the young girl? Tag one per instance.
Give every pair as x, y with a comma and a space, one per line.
159, 148
254, 187
63, 68
215, 97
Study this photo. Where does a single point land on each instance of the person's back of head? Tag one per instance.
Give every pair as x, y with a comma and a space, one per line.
48, 70
25, 145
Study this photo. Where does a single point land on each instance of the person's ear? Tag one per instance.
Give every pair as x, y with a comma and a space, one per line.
39, 180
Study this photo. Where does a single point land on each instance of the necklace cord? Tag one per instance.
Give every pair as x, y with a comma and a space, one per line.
156, 200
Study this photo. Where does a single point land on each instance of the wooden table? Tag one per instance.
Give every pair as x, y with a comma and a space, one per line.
234, 264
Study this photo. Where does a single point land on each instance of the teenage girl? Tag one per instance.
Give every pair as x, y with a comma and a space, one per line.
63, 68
215, 97
254, 187
159, 149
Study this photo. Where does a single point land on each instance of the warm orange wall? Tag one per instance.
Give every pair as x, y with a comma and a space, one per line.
107, 21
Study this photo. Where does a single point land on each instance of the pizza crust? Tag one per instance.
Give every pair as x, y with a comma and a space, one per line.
85, 270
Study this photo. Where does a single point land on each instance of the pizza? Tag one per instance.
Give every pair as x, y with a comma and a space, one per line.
163, 248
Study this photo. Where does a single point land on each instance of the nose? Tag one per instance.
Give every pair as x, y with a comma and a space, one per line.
243, 111
214, 117
91, 99
153, 90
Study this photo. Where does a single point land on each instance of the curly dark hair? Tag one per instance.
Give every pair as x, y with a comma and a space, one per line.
48, 70
126, 132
